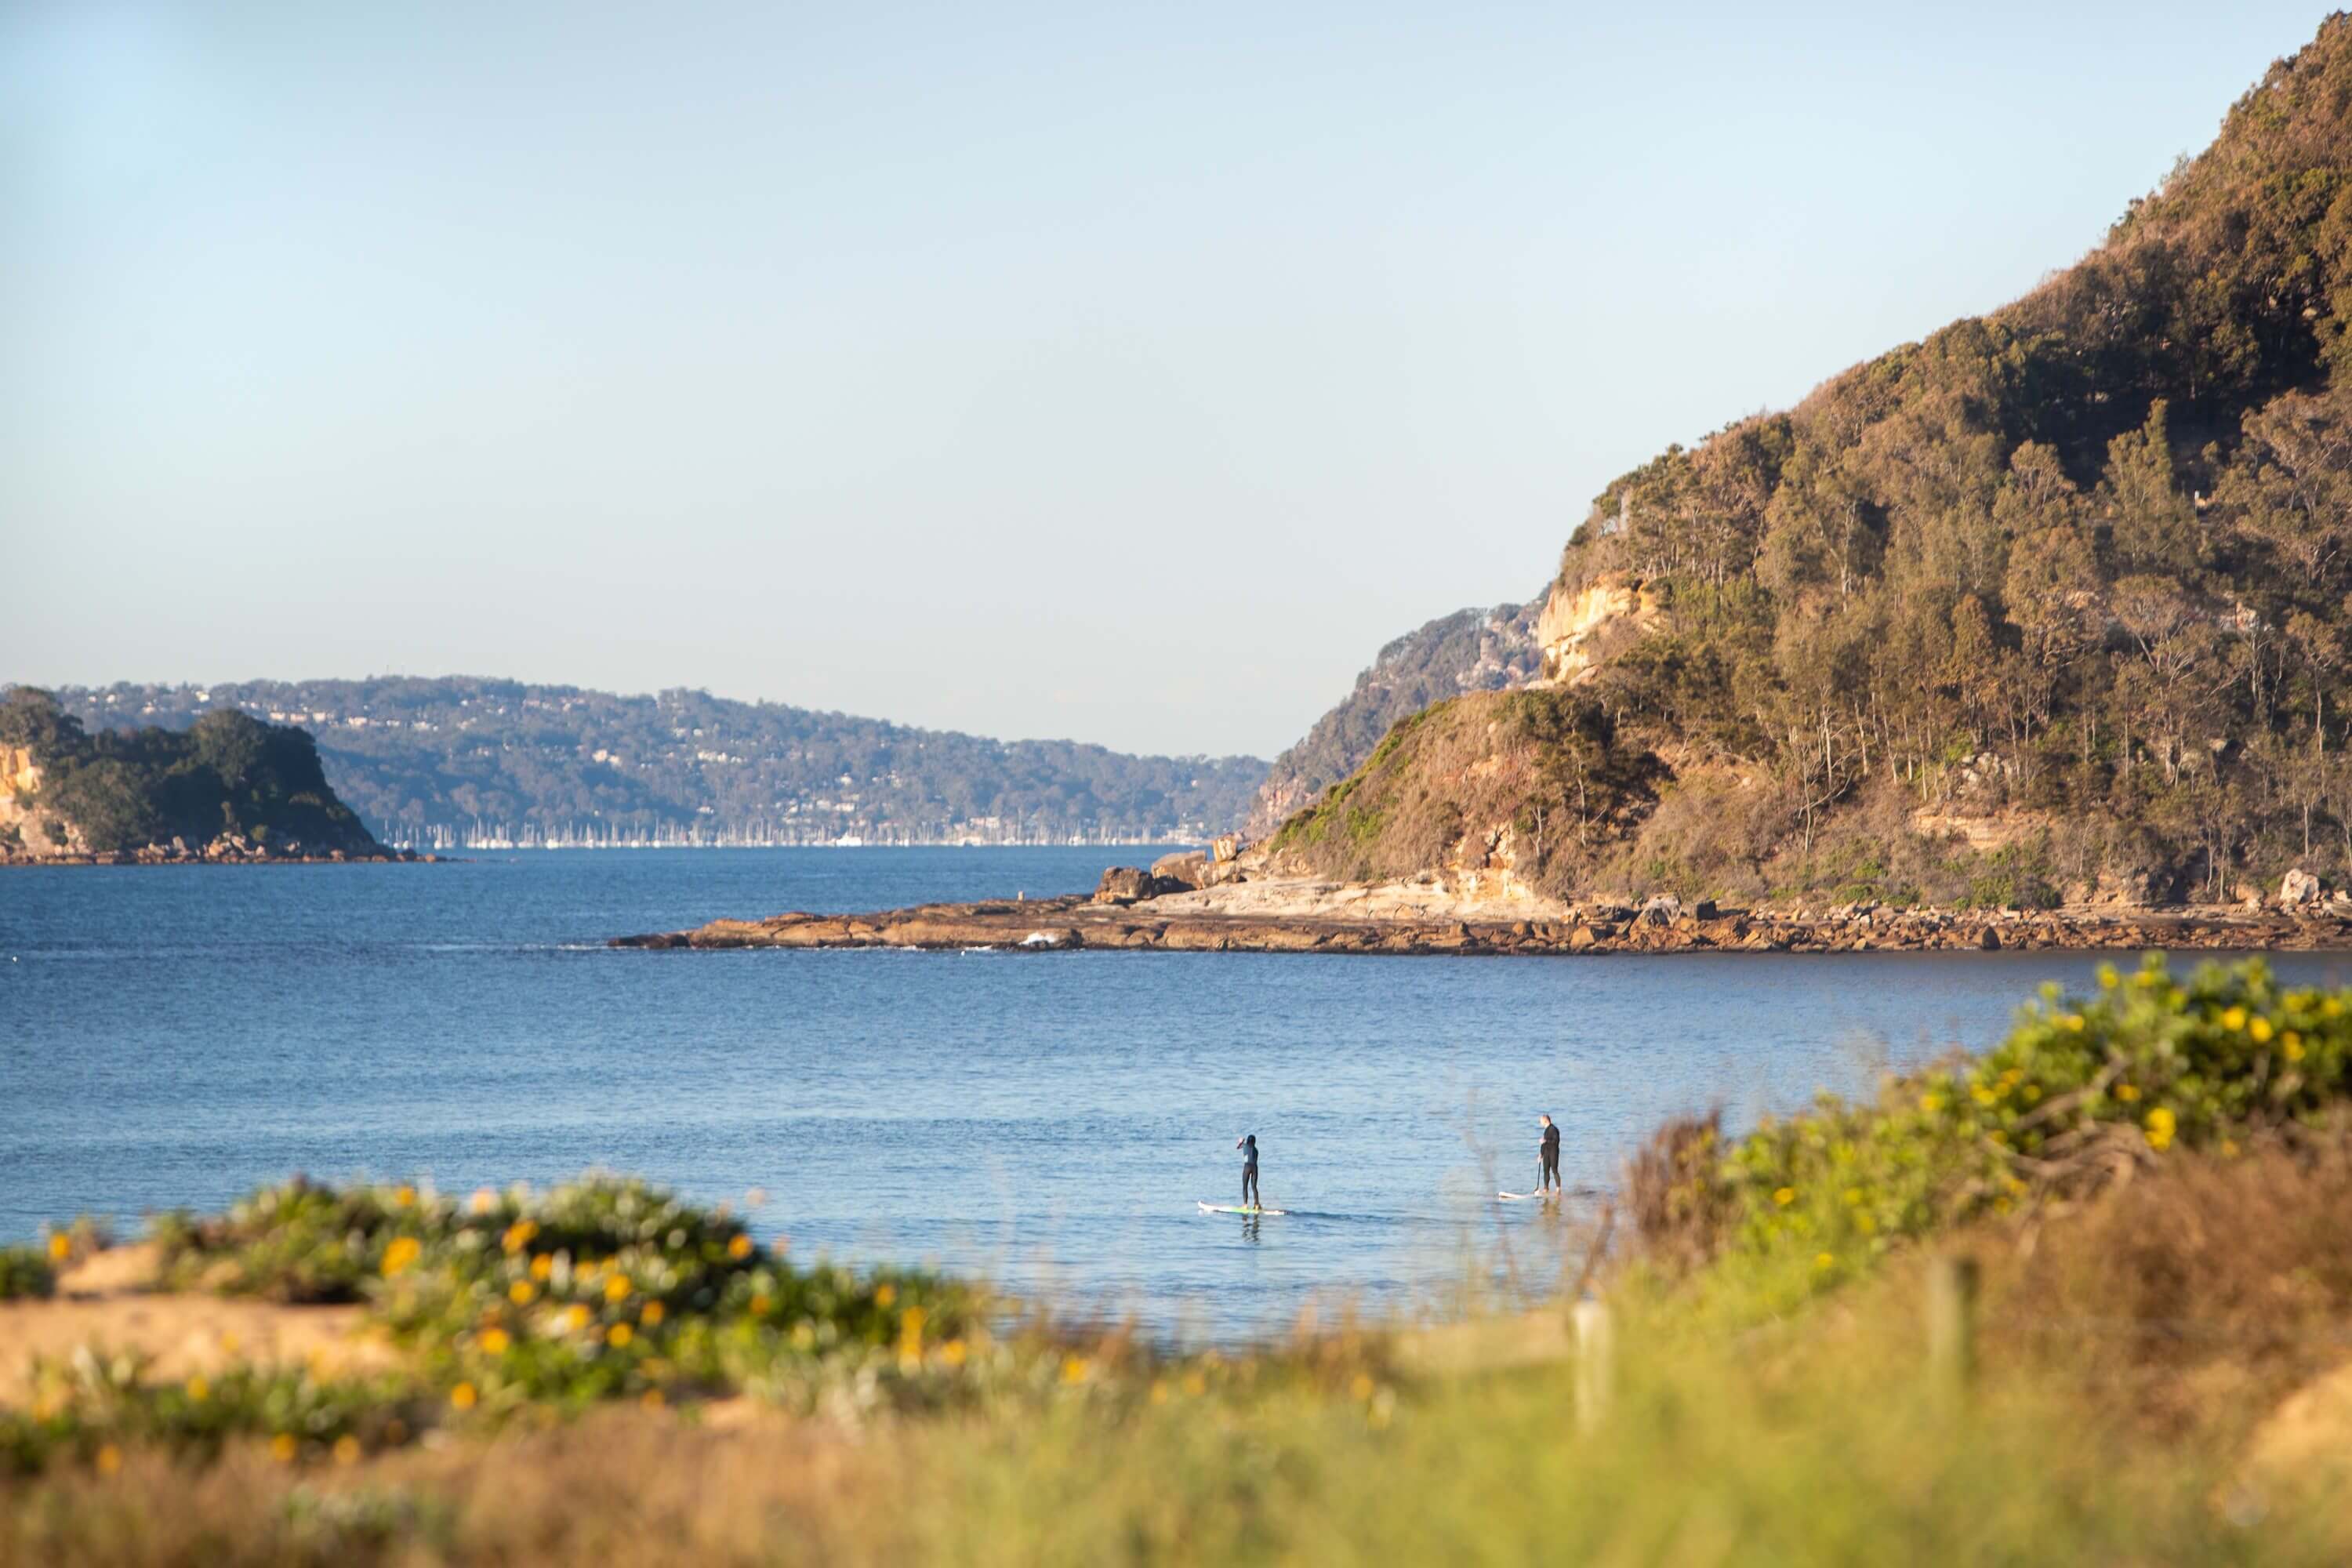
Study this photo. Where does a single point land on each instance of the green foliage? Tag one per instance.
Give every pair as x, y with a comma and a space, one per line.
122, 789
97, 1401
25, 1272
587, 1291
2151, 1063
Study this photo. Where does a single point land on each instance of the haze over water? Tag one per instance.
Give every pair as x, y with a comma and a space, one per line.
176, 1036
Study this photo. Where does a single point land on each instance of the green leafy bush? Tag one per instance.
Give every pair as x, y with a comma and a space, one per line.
2082, 1086
25, 1272
589, 1290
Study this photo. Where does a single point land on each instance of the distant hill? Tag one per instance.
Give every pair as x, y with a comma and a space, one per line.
228, 788
2054, 604
1469, 650
447, 761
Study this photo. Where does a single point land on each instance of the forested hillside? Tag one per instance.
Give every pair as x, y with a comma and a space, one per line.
2058, 601
228, 788
452, 760
1469, 650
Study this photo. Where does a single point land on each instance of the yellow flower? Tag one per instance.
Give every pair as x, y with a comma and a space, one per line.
463, 1396
2159, 1127
2074, 1022
199, 1390
2127, 1092
400, 1254
619, 1335
1361, 1387
2107, 977
2233, 1019
1195, 1384
741, 1247
404, 1196
484, 1200
2292, 1045
1931, 1103
1823, 1260
2331, 1008
1075, 1369
347, 1449
885, 1294
651, 1315
283, 1448
617, 1288
1866, 1224
110, 1459
1784, 1196
494, 1342
60, 1246
1854, 1194
2260, 1029
1982, 1095
576, 1317
522, 1292
518, 1235
952, 1353
543, 1266
760, 1305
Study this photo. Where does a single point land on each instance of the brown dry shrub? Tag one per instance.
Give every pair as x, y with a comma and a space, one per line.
2206, 1288
1672, 1194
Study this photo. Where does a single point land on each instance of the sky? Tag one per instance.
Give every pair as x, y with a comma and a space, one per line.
1124, 374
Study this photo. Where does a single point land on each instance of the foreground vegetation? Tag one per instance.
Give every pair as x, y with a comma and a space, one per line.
2155, 1179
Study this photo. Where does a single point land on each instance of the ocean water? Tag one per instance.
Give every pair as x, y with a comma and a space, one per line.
173, 1036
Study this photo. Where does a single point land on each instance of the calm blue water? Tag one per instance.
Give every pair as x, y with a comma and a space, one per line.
174, 1035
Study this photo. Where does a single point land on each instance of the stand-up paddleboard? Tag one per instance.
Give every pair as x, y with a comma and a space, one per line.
1523, 1197
1230, 1208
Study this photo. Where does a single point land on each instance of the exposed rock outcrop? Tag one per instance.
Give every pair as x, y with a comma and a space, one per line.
1294, 915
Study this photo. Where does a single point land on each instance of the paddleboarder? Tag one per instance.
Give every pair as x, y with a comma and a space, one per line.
1247, 1144
1548, 1153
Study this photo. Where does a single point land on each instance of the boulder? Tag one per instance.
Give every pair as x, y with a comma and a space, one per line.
1187, 868
2298, 888
1123, 885
1664, 910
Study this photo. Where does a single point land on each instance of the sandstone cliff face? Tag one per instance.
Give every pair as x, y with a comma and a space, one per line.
1580, 628
25, 831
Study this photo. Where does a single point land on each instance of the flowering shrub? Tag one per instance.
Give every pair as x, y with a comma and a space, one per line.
597, 1289
2081, 1089
91, 1405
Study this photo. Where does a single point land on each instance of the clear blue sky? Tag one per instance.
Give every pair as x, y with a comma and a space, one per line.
1123, 374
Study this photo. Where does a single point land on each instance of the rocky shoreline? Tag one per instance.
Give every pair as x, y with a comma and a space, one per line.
1309, 917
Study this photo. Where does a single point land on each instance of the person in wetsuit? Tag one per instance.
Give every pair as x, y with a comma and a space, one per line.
1548, 1153
1248, 1146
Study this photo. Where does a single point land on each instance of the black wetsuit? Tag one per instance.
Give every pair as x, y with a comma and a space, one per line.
1550, 1154
1249, 1173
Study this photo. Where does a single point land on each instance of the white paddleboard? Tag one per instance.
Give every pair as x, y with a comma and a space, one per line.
1229, 1208
1523, 1197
